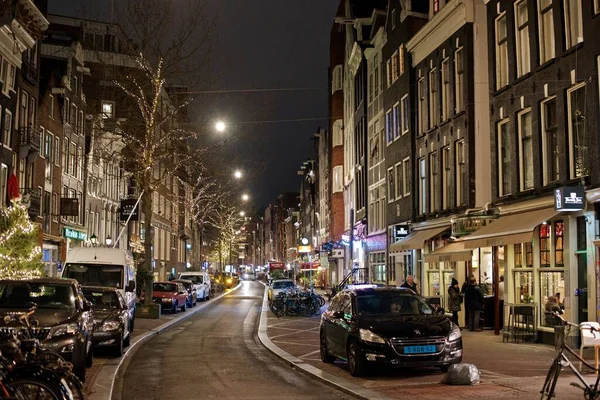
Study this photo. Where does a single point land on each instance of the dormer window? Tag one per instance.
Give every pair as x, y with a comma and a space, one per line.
108, 109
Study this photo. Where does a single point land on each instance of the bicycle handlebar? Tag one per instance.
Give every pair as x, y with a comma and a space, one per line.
582, 325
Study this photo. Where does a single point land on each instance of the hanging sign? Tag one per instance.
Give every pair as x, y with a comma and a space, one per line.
569, 198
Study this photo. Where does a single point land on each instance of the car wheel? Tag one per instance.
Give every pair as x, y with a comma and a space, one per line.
127, 340
325, 356
184, 306
175, 308
356, 360
444, 368
118, 350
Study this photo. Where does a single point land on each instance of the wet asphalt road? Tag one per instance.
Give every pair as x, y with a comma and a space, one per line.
217, 354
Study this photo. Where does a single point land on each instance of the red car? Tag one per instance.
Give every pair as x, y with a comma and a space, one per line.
170, 295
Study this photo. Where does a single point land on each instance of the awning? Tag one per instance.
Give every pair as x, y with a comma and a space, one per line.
511, 229
416, 239
450, 253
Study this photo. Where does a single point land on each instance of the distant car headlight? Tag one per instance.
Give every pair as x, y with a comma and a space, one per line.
371, 337
110, 326
454, 333
65, 329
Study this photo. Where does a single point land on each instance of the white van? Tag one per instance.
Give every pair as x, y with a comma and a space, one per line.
201, 282
101, 266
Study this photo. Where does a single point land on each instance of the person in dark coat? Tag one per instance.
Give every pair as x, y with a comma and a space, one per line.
455, 300
474, 304
410, 283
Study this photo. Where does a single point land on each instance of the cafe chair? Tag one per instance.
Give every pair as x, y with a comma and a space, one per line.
590, 338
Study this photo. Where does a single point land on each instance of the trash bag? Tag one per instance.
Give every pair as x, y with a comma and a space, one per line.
462, 374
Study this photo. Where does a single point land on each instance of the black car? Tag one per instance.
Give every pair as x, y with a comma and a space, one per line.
111, 318
390, 326
191, 289
62, 317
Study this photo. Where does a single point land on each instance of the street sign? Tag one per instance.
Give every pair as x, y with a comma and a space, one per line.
569, 198
75, 234
401, 231
128, 208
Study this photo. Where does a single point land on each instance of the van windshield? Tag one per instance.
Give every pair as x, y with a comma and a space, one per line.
95, 274
197, 279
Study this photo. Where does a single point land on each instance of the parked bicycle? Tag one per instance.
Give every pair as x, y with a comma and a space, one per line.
296, 302
561, 361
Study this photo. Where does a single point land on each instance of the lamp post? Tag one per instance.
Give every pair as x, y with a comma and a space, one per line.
94, 239
108, 241
237, 174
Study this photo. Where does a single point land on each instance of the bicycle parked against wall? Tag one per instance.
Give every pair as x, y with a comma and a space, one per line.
590, 391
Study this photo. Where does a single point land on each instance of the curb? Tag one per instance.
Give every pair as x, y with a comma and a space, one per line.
295, 362
105, 381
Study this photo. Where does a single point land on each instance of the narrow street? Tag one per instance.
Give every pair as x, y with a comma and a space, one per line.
216, 354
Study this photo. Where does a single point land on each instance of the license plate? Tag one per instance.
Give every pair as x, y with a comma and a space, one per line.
419, 349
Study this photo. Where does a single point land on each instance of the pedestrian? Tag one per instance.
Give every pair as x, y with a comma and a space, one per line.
501, 288
455, 300
552, 306
474, 305
410, 283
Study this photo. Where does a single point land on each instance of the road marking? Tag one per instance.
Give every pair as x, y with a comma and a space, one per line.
292, 333
309, 354
295, 343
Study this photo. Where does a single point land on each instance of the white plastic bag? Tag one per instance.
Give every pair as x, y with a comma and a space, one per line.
462, 374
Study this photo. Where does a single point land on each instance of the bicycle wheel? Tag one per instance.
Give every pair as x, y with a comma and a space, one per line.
551, 379
32, 389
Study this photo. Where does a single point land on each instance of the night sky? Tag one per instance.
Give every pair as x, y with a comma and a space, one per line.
261, 44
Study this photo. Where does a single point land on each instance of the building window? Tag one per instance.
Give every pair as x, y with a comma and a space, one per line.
573, 23
393, 18
12, 77
504, 170
51, 107
81, 122
459, 83
395, 66
434, 186
337, 79
391, 184
526, 150
389, 126
523, 286
446, 178
577, 131
7, 128
57, 150
108, 109
54, 207
48, 153
377, 266
461, 173
337, 139
522, 27
501, 52
596, 6
399, 180
445, 89
371, 87
546, 21
436, 6
396, 121
406, 176
72, 158
67, 111
405, 115
401, 57
559, 244
544, 235
4, 75
550, 150
388, 70
377, 87
338, 179
550, 284
422, 106
422, 187
433, 117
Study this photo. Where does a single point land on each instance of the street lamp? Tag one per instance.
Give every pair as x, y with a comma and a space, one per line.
220, 126
94, 239
242, 213
237, 174
108, 240
245, 197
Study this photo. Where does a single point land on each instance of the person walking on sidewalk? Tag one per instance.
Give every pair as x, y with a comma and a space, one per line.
474, 304
410, 283
455, 300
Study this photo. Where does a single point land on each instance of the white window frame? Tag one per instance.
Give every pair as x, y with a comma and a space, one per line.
406, 175
500, 158
389, 126
546, 32
337, 81
401, 59
393, 18
459, 80
106, 115
423, 113
51, 106
396, 120
571, 7
12, 77
445, 78
423, 187
522, 167
57, 150
446, 177
338, 179
395, 70
391, 172
337, 138
548, 158
433, 181
501, 44
572, 168
399, 175
404, 115
596, 7
388, 72
523, 49
459, 166
433, 118
7, 138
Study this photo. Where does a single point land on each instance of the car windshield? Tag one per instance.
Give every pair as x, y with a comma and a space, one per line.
165, 287
392, 303
194, 278
102, 299
95, 274
42, 295
283, 285
187, 285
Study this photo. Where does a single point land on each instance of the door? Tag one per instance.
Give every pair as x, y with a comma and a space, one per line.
581, 293
328, 322
338, 329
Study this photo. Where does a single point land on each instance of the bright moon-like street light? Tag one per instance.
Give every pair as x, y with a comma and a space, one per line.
242, 213
237, 174
245, 197
220, 126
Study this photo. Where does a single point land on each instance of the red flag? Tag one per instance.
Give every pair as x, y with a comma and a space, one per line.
13, 187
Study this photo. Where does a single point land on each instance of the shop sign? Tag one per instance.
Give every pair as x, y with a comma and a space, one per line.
69, 206
569, 198
75, 234
466, 225
401, 231
128, 208
337, 253
305, 249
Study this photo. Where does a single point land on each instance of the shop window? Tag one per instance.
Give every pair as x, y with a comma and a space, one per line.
523, 286
551, 283
559, 249
545, 245
523, 255
377, 266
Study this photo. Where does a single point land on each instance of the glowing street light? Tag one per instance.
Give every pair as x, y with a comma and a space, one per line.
237, 174
245, 197
220, 126
242, 213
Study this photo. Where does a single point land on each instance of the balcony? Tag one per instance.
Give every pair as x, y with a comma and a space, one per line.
32, 199
29, 145
30, 73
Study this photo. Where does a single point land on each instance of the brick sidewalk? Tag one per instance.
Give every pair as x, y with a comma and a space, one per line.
508, 370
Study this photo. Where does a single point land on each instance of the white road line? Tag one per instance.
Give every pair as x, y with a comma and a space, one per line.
291, 333
309, 354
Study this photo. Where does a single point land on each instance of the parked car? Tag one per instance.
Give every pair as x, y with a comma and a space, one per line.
191, 289
63, 318
249, 276
171, 296
235, 278
277, 286
201, 282
111, 318
227, 280
391, 326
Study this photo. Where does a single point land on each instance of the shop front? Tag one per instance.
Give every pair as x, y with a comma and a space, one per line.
51, 255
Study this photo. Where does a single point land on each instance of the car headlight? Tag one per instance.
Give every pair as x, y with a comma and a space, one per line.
166, 300
110, 326
66, 329
369, 336
454, 333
